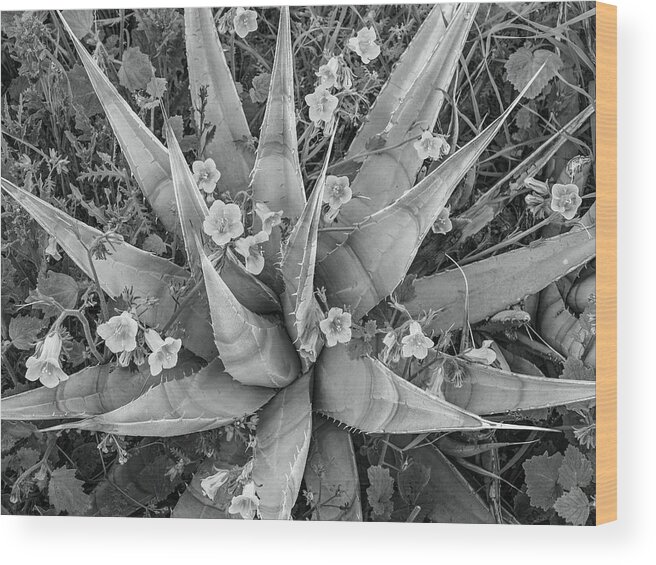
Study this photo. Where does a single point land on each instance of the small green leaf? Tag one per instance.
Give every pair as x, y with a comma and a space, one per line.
412, 480
379, 493
574, 507
13, 432
156, 87
80, 21
523, 64
23, 331
66, 494
83, 95
60, 287
154, 244
541, 479
574, 369
576, 470
23, 459
136, 71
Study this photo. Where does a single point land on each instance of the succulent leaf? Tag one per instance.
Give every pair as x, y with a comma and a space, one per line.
208, 70
91, 391
189, 201
421, 52
379, 250
578, 297
365, 395
486, 390
146, 155
448, 497
409, 103
486, 207
301, 309
283, 439
205, 400
562, 330
277, 180
331, 473
124, 267
502, 280
254, 350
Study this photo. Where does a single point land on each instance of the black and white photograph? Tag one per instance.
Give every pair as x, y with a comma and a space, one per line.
310, 263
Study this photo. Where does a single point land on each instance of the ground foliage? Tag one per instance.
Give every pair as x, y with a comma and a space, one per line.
57, 143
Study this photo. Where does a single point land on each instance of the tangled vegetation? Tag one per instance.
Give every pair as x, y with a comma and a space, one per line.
314, 263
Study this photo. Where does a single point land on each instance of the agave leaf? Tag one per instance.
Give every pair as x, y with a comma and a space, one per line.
486, 390
190, 204
277, 179
283, 439
147, 157
203, 401
409, 103
147, 274
300, 307
486, 208
249, 290
419, 53
562, 330
195, 504
136, 483
125, 266
448, 497
365, 395
91, 391
502, 280
254, 350
208, 70
378, 252
578, 297
337, 488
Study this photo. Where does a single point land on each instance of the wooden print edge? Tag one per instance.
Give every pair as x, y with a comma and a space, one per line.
606, 177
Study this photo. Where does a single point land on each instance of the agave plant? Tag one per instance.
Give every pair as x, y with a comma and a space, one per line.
254, 343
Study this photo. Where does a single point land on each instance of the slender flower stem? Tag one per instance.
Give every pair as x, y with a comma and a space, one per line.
87, 330
183, 305
101, 296
509, 241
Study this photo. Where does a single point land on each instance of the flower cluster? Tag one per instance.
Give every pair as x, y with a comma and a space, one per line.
443, 222
120, 335
336, 327
249, 248
335, 74
337, 192
223, 222
416, 344
322, 105
247, 503
245, 21
364, 44
164, 351
563, 198
44, 365
268, 218
431, 146
206, 175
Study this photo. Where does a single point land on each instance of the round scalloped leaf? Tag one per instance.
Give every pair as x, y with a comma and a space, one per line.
523, 64
136, 71
573, 507
541, 479
576, 470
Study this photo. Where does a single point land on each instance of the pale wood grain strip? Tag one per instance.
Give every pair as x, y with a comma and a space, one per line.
606, 163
